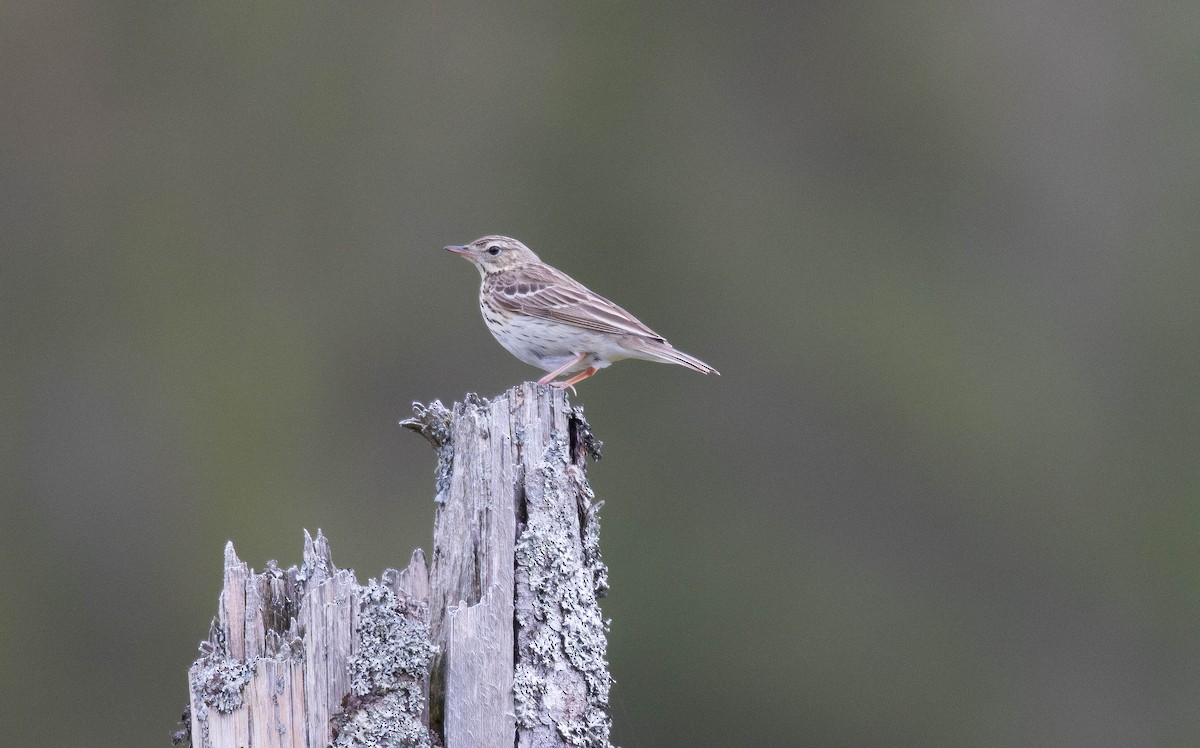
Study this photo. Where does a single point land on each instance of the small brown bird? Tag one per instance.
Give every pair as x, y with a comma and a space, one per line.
549, 320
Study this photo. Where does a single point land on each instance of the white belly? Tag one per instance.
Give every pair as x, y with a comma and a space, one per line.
549, 345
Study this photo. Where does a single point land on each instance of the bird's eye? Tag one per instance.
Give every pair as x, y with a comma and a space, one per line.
493, 250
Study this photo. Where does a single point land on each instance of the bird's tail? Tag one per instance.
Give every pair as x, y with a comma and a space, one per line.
663, 351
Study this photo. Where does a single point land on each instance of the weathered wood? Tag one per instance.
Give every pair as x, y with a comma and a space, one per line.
290, 650
498, 642
473, 547
516, 539
479, 671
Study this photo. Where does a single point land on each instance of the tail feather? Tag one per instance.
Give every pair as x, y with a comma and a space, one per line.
663, 351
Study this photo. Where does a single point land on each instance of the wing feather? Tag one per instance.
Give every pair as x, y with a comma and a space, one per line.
546, 293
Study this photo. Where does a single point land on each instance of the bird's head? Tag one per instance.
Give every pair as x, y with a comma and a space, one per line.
492, 254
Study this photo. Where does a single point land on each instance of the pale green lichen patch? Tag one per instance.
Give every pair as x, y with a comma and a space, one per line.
529, 689
561, 634
390, 664
393, 643
219, 681
434, 423
382, 721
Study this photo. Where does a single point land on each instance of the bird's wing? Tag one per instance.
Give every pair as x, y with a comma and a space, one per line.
546, 293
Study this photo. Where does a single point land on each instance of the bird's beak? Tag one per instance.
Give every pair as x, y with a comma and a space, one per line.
458, 250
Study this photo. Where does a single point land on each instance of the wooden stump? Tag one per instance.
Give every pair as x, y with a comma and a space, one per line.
499, 643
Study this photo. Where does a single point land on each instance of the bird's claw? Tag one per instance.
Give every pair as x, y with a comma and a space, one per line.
564, 386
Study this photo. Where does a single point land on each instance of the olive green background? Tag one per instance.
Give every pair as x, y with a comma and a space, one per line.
945, 255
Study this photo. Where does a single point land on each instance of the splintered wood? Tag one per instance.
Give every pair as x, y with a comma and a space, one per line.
277, 667
498, 642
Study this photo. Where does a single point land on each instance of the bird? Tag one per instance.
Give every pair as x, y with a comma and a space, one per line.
548, 319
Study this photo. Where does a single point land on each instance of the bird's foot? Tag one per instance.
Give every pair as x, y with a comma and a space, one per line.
565, 386
570, 383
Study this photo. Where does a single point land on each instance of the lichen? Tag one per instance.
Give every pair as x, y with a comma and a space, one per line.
529, 688
433, 422
183, 734
390, 664
560, 625
393, 643
381, 721
219, 680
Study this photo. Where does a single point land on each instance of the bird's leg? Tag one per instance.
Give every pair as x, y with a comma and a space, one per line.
576, 379
549, 377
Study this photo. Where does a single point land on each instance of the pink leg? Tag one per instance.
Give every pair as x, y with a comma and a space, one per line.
549, 377
576, 379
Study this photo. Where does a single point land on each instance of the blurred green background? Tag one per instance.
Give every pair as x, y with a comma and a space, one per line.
945, 256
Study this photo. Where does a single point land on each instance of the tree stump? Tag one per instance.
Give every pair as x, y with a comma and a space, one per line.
499, 642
